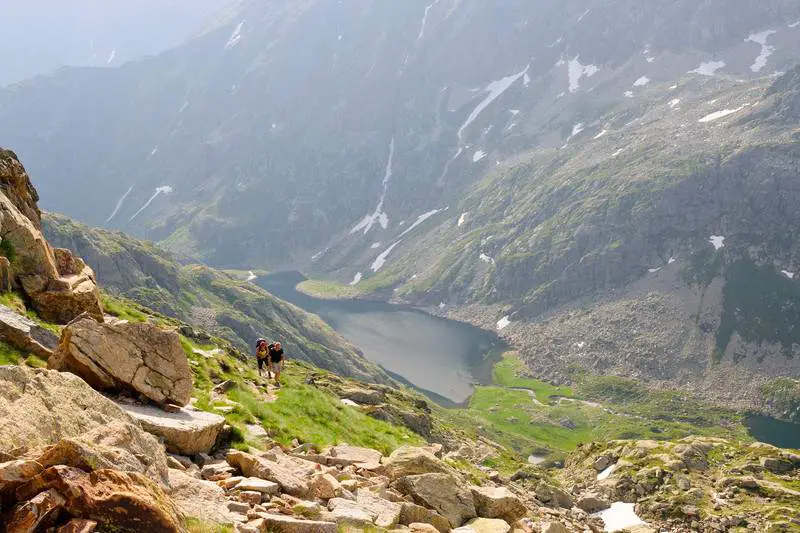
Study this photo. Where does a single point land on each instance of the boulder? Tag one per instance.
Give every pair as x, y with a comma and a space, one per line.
498, 502
350, 514
484, 525
25, 334
78, 525
287, 524
442, 493
777, 465
140, 357
261, 467
411, 460
56, 296
40, 408
37, 513
386, 513
592, 503
364, 396
18, 471
411, 513
186, 432
345, 455
553, 496
198, 498
119, 501
6, 276
554, 527
423, 528
268, 488
324, 486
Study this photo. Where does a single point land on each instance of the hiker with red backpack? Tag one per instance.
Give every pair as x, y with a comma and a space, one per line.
262, 357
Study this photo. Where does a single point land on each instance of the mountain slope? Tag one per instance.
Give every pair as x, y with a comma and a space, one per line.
233, 309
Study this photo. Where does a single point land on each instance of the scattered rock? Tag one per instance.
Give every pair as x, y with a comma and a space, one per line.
410, 460
287, 524
250, 497
344, 455
484, 525
602, 462
325, 486
263, 486
553, 496
77, 525
364, 396
411, 513
25, 334
126, 356
777, 465
187, 432
554, 527
38, 513
252, 466
592, 503
198, 498
499, 502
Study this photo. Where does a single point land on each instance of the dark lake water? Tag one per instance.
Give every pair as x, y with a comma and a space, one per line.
775, 432
441, 357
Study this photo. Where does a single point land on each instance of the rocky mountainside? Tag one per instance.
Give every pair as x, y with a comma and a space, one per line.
42, 36
218, 302
610, 183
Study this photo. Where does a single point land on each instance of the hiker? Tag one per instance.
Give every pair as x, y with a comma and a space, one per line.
262, 356
276, 361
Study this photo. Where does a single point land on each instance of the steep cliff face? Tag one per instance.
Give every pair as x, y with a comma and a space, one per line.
59, 285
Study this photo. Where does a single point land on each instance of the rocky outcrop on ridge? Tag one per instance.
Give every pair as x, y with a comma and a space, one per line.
59, 285
119, 355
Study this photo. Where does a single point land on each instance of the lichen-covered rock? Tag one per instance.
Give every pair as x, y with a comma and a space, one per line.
39, 408
442, 493
186, 432
126, 356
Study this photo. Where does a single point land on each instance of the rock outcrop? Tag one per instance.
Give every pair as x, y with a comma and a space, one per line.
60, 286
186, 432
43, 408
139, 357
25, 334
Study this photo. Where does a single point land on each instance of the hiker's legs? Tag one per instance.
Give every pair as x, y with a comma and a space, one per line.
269, 369
260, 365
278, 369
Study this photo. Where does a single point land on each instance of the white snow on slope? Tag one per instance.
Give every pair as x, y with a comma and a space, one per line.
628, 94
794, 24
495, 90
166, 189
462, 219
112, 56
503, 323
788, 274
119, 204
641, 82
721, 114
375, 245
576, 71
425, 20
480, 154
584, 15
619, 516
251, 276
718, 241
653, 270
381, 259
486, 259
356, 279
577, 129
601, 134
235, 37
708, 69
379, 216
420, 219
184, 106
766, 50
605, 474
674, 103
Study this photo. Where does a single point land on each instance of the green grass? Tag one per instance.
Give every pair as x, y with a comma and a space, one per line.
510, 372
13, 301
10, 355
313, 416
122, 309
196, 525
327, 290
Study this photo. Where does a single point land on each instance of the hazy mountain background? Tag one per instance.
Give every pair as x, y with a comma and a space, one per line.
611, 184
40, 36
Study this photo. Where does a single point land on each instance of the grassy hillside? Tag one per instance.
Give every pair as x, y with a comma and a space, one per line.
219, 302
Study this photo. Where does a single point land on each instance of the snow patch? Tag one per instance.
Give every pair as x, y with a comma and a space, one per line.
794, 24
718, 241
650, 59
486, 259
583, 16
379, 216
462, 219
184, 106
480, 154
615, 154
119, 204
576, 71
442, 305
503, 323
708, 69
112, 56
619, 516
420, 219
356, 279
425, 20
375, 245
766, 50
721, 114
628, 94
526, 80
653, 270
514, 112
674, 103
235, 37
166, 189
788, 274
381, 259
671, 260
577, 129
495, 90
251, 276
605, 474
601, 134
641, 82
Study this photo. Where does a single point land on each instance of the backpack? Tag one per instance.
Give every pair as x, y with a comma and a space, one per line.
260, 343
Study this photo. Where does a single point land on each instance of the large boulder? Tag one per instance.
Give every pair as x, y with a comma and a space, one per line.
411, 460
344, 455
498, 502
291, 481
186, 432
442, 493
25, 334
39, 408
117, 501
57, 295
120, 355
271, 523
484, 525
411, 513
199, 498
